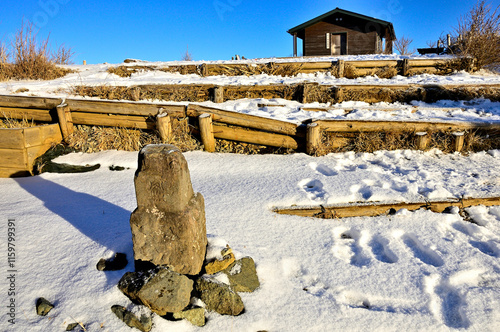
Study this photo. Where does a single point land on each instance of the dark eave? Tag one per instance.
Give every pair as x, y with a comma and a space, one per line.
299, 28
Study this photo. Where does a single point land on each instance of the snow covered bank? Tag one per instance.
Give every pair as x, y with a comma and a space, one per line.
411, 271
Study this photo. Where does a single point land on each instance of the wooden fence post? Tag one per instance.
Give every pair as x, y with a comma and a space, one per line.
406, 67
65, 120
207, 132
219, 94
338, 94
341, 66
203, 70
313, 138
459, 141
164, 126
422, 140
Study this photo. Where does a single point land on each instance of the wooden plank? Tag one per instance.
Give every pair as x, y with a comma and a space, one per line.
116, 107
313, 138
246, 120
11, 172
377, 209
40, 135
207, 132
11, 138
164, 126
254, 137
113, 120
316, 65
30, 114
377, 126
13, 158
29, 102
373, 64
425, 63
65, 120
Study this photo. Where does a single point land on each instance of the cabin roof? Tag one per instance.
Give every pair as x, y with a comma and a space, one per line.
299, 28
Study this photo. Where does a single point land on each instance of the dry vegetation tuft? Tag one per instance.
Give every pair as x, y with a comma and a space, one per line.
478, 35
29, 58
8, 123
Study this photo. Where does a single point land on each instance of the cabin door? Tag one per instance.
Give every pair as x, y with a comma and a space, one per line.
336, 44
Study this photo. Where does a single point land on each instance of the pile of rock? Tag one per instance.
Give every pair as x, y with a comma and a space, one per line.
170, 241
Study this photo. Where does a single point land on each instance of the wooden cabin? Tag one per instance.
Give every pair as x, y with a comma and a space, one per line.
341, 32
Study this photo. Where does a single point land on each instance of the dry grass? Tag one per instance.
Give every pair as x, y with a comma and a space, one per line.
9, 123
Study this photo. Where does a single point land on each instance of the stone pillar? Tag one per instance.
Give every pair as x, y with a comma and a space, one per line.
168, 225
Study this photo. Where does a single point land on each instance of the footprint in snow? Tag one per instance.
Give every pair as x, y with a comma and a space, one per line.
322, 169
314, 189
381, 251
422, 252
477, 239
350, 246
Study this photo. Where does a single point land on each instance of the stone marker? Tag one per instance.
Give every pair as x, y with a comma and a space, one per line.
242, 275
219, 297
168, 226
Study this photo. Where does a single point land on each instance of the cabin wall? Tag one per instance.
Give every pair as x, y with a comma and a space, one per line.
357, 42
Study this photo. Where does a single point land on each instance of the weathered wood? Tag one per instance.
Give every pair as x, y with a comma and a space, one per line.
65, 120
254, 137
406, 67
341, 67
29, 102
425, 63
408, 126
9, 172
313, 138
13, 158
123, 108
377, 209
246, 120
11, 138
111, 120
219, 94
29, 114
373, 63
207, 132
422, 140
458, 143
316, 65
164, 126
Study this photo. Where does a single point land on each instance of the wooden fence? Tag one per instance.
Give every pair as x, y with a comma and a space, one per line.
212, 123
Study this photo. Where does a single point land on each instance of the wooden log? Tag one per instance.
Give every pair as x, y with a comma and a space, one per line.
164, 126
219, 94
458, 142
123, 108
112, 120
341, 67
254, 137
408, 126
425, 63
245, 120
29, 102
338, 94
373, 63
207, 132
316, 65
313, 138
422, 140
406, 67
374, 209
13, 158
28, 114
65, 120
203, 70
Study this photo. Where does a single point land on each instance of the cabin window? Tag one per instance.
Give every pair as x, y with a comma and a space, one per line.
328, 41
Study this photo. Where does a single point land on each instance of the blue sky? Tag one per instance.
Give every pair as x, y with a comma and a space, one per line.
111, 31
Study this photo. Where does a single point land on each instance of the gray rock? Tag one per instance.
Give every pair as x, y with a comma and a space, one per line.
167, 291
219, 297
195, 316
43, 306
163, 290
168, 226
242, 275
144, 324
117, 262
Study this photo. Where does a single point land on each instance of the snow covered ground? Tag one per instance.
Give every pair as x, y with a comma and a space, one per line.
413, 271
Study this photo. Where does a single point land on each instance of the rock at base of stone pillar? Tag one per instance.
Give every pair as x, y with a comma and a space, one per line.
168, 226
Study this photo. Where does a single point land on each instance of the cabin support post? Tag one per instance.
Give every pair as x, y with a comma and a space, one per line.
164, 126
313, 138
295, 44
459, 141
65, 120
207, 132
422, 140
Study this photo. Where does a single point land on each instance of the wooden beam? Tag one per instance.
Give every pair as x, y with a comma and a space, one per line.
29, 114
377, 209
255, 137
413, 126
207, 132
245, 120
458, 143
29, 102
219, 94
422, 140
123, 108
164, 126
112, 120
65, 120
313, 138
